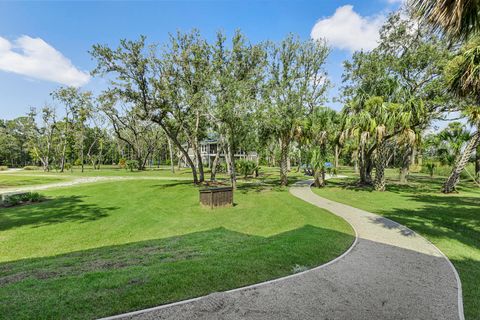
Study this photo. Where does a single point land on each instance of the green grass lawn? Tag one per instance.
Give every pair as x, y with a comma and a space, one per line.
451, 222
112, 247
16, 180
108, 170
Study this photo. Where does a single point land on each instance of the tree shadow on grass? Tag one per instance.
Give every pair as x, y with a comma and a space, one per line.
416, 183
454, 216
171, 184
58, 210
126, 277
442, 216
267, 184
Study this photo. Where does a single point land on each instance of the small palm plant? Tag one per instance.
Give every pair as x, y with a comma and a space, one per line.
431, 168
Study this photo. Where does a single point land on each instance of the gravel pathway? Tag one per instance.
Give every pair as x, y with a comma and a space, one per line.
389, 273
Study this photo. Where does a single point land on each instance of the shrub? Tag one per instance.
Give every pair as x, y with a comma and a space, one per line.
3, 168
68, 166
246, 167
31, 168
131, 164
431, 168
334, 172
122, 163
444, 171
222, 167
23, 198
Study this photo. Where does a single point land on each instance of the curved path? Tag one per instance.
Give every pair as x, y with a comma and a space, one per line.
389, 273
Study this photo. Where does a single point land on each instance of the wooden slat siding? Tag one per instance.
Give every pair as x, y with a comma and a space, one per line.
217, 197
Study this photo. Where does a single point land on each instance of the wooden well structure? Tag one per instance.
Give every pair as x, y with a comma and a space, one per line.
216, 197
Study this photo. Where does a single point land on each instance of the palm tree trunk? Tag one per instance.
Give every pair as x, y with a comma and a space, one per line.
319, 178
380, 162
477, 163
406, 161
363, 165
460, 164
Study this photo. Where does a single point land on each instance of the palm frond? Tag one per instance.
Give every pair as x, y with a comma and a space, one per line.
458, 18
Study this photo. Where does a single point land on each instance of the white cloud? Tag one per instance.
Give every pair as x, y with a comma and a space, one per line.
347, 30
35, 58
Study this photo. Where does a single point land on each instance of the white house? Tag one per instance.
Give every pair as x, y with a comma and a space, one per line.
208, 149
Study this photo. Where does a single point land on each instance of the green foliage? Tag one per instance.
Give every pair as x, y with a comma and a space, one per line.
458, 19
131, 164
122, 163
23, 198
246, 167
441, 170
31, 168
431, 168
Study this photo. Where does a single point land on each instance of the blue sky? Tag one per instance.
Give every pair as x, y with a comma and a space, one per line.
44, 45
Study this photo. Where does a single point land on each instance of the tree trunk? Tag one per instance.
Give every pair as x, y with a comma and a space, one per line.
365, 167
380, 162
82, 148
319, 178
170, 150
337, 153
231, 156
183, 151
406, 161
200, 164
213, 171
355, 155
284, 147
477, 163
62, 161
191, 165
180, 159
460, 164
403, 174
227, 160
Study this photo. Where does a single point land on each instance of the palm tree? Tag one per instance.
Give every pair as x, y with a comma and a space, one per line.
407, 141
360, 125
317, 162
457, 18
451, 141
320, 132
463, 76
473, 115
